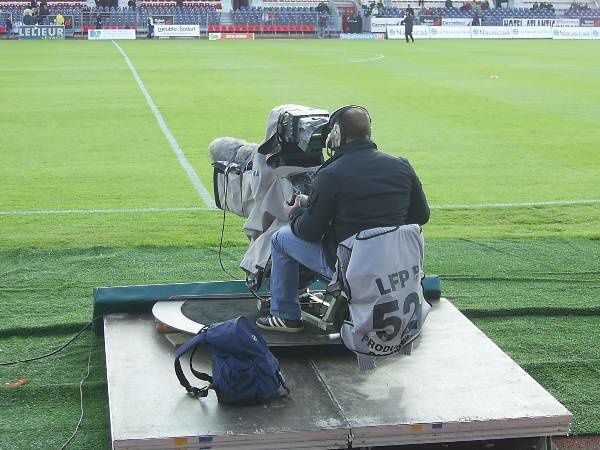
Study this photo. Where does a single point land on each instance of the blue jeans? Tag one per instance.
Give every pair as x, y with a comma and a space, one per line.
287, 253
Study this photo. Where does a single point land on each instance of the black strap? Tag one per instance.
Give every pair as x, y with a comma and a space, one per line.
283, 385
189, 345
200, 375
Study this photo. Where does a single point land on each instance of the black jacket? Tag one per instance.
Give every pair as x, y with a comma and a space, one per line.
359, 188
408, 23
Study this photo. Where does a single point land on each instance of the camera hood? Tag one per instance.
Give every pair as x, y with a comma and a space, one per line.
269, 145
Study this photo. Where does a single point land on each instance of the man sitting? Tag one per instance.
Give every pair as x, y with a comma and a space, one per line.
358, 188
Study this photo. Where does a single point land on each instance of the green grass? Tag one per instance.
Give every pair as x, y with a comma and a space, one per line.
76, 134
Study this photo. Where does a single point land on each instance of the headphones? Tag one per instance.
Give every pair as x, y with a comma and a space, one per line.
337, 136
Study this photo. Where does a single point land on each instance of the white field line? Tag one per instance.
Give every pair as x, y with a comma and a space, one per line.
376, 57
204, 194
192, 209
516, 205
100, 211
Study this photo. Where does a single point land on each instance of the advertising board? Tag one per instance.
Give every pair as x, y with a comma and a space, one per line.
565, 23
454, 32
362, 36
230, 36
102, 35
589, 22
419, 32
162, 20
37, 32
520, 22
491, 32
379, 24
531, 32
431, 20
575, 33
456, 21
177, 30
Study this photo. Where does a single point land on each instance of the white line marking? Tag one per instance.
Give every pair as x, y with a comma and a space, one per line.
194, 209
516, 205
204, 194
377, 57
100, 211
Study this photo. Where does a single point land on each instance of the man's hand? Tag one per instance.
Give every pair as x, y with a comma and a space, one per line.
300, 200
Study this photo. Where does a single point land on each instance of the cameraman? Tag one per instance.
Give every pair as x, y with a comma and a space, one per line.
358, 188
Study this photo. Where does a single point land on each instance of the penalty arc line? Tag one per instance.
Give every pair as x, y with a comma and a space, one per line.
193, 176
195, 209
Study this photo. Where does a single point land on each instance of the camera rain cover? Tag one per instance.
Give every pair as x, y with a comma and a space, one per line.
290, 114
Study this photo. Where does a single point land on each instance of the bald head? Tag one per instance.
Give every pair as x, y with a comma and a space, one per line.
356, 124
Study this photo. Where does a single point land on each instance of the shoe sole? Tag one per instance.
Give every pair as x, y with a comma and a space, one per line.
285, 330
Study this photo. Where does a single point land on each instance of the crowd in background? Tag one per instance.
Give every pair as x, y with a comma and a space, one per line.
36, 14
579, 7
475, 6
543, 6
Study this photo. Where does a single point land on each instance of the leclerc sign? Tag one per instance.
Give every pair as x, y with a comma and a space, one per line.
30, 32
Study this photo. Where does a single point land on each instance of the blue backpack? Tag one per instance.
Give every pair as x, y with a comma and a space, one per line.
245, 372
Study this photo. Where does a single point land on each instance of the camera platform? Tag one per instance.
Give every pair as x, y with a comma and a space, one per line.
457, 386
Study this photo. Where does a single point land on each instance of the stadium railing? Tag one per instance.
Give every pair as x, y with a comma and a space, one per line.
298, 20
291, 21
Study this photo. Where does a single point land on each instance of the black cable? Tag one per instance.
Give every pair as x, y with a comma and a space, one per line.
54, 352
80, 399
226, 174
71, 340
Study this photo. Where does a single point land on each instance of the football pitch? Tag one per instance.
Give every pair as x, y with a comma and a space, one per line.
106, 180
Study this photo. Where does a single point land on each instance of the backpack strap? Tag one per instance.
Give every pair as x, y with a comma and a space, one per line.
189, 345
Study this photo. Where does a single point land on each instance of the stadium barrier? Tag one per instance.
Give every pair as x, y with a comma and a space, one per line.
495, 32
209, 20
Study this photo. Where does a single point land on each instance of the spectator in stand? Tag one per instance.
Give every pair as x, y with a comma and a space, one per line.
578, 7
36, 16
535, 6
485, 5
43, 12
408, 26
99, 23
59, 20
448, 3
33, 4
131, 4
150, 25
179, 3
421, 3
27, 16
9, 27
323, 12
